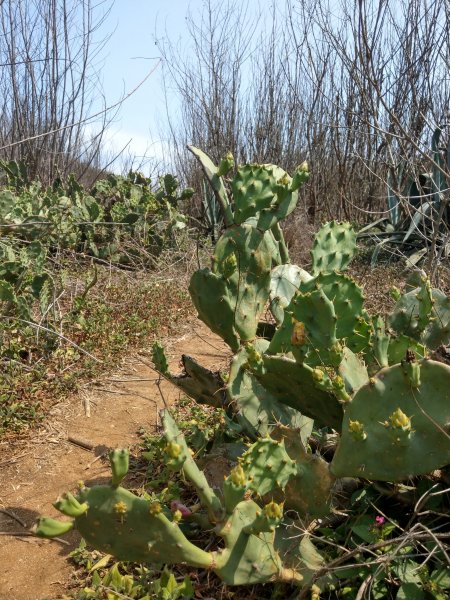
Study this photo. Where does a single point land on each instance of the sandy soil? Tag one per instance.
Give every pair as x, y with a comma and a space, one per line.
33, 472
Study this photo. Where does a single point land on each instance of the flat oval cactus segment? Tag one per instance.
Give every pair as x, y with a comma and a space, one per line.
214, 305
134, 529
257, 410
346, 296
292, 384
267, 466
284, 283
424, 315
333, 248
265, 192
397, 427
308, 329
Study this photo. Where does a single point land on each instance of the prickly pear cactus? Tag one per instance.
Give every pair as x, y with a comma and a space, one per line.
256, 409
333, 248
398, 424
266, 192
239, 282
424, 315
118, 522
284, 284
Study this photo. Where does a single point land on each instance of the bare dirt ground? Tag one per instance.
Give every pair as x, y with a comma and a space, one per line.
106, 413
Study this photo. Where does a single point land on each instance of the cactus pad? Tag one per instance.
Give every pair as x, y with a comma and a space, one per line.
393, 428
257, 410
333, 248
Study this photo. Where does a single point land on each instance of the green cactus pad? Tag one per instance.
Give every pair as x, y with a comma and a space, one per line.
333, 248
134, 529
309, 490
231, 297
398, 346
267, 466
308, 329
284, 283
216, 308
190, 469
262, 191
119, 465
427, 321
249, 558
257, 410
353, 371
248, 283
292, 384
374, 445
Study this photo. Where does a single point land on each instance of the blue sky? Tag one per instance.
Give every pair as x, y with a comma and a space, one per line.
129, 55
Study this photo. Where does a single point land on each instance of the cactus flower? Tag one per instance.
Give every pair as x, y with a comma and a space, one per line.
120, 508
399, 420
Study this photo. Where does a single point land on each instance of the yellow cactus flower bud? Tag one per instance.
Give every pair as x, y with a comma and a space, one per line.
173, 449
155, 508
177, 516
120, 508
237, 475
273, 510
338, 381
318, 374
303, 167
357, 430
399, 420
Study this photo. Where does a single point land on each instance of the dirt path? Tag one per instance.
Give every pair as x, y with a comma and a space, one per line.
34, 472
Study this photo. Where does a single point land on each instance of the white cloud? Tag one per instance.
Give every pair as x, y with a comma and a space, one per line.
134, 148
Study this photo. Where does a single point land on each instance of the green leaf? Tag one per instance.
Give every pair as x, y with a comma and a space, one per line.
364, 527
441, 577
410, 591
101, 563
131, 218
406, 571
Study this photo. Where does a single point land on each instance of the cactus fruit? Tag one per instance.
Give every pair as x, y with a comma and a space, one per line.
333, 248
406, 421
